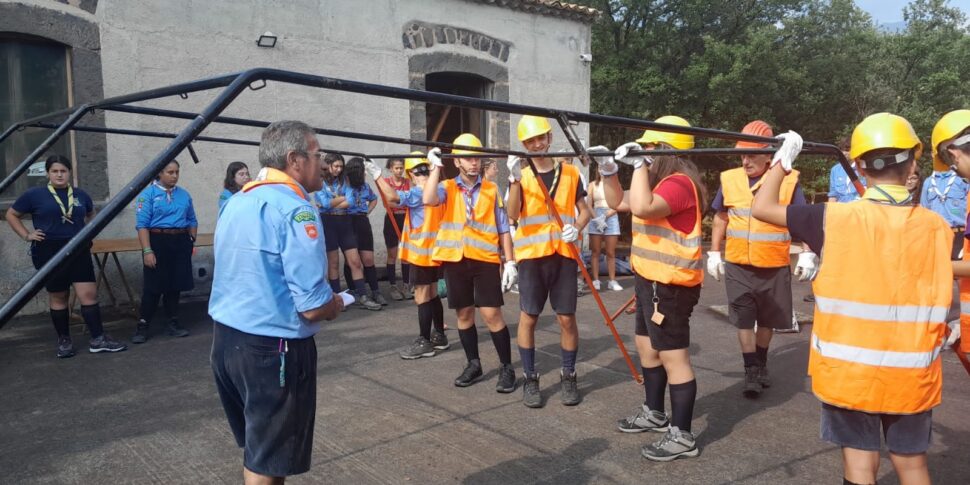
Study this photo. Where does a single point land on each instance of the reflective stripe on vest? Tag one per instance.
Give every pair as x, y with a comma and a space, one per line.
750, 241
666, 255
538, 235
878, 328
459, 237
965, 302
417, 243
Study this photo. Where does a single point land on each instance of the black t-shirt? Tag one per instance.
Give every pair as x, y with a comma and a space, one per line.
807, 223
46, 214
547, 178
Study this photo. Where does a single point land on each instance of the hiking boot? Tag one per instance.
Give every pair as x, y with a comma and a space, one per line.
396, 293
674, 444
105, 343
365, 302
645, 419
568, 389
439, 341
472, 372
421, 347
531, 396
175, 330
65, 347
379, 298
506, 379
141, 333
752, 388
763, 377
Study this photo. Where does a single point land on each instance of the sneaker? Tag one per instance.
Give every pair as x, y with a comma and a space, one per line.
531, 396
421, 347
379, 298
439, 341
408, 291
65, 347
794, 327
365, 302
506, 379
175, 330
581, 289
645, 419
472, 372
596, 285
614, 285
674, 444
141, 333
752, 388
568, 389
105, 343
396, 293
763, 377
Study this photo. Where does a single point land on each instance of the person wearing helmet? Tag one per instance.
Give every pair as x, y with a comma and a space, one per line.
417, 242
547, 270
875, 346
945, 191
755, 267
667, 200
474, 229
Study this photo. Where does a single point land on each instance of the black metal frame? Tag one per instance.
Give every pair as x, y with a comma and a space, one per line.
234, 84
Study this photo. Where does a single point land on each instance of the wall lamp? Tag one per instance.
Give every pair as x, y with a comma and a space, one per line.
268, 39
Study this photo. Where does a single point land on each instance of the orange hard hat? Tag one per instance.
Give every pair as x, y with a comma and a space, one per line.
757, 128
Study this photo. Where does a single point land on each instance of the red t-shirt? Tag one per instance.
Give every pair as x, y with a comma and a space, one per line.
403, 187
678, 191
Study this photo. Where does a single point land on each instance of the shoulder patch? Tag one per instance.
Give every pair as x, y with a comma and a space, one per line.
304, 216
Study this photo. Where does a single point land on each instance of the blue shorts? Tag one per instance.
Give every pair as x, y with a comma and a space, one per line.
612, 224
905, 434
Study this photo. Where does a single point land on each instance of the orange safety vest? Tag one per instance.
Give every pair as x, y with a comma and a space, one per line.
880, 324
459, 237
666, 255
750, 241
538, 234
965, 302
417, 243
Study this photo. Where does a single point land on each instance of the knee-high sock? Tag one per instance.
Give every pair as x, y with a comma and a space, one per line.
503, 345
405, 273
348, 276
654, 387
438, 313
528, 357
391, 274
425, 315
171, 300
335, 285
682, 398
149, 303
469, 342
762, 354
358, 287
370, 274
62, 322
92, 318
568, 361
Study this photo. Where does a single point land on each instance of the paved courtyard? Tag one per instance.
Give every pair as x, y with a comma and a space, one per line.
151, 414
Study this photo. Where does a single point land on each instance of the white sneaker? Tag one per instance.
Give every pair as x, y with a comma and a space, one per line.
596, 284
613, 285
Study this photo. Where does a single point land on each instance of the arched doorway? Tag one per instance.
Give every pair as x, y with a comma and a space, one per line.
445, 123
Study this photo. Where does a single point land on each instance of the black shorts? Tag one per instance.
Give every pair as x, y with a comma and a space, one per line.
365, 236
473, 283
173, 264
338, 232
676, 303
390, 237
760, 295
273, 424
550, 278
905, 434
79, 270
425, 275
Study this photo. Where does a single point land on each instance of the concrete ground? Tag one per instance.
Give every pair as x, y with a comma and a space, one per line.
151, 414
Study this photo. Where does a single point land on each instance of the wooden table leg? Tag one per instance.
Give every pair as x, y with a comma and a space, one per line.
102, 266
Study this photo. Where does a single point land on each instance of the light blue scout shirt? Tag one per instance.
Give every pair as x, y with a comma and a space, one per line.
337, 188
360, 199
946, 194
156, 208
224, 197
270, 263
840, 186
413, 200
501, 218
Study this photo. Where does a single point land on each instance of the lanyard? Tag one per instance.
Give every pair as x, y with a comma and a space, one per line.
69, 211
946, 189
890, 199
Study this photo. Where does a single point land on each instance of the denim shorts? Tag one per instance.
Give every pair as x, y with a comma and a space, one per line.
612, 224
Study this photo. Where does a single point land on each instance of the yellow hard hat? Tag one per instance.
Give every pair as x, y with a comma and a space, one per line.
411, 163
533, 126
679, 141
884, 130
466, 139
948, 128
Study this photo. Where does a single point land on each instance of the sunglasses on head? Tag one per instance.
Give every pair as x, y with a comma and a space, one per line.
422, 171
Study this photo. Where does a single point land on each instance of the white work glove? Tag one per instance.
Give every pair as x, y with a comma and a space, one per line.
791, 145
372, 169
807, 266
434, 157
715, 265
570, 233
599, 223
510, 276
637, 161
514, 165
607, 166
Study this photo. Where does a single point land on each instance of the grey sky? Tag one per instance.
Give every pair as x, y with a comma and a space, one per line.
889, 11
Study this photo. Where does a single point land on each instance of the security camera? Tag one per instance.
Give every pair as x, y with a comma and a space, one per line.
586, 57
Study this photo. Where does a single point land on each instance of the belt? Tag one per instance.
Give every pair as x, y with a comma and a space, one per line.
180, 230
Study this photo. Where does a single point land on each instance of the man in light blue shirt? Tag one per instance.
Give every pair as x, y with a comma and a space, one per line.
840, 187
269, 290
945, 193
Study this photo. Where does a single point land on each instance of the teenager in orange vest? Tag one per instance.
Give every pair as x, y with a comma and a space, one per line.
546, 268
876, 341
473, 229
756, 274
417, 241
666, 198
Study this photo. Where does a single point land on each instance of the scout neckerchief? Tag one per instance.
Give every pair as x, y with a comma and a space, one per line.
950, 178
168, 192
69, 211
270, 176
468, 193
889, 194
